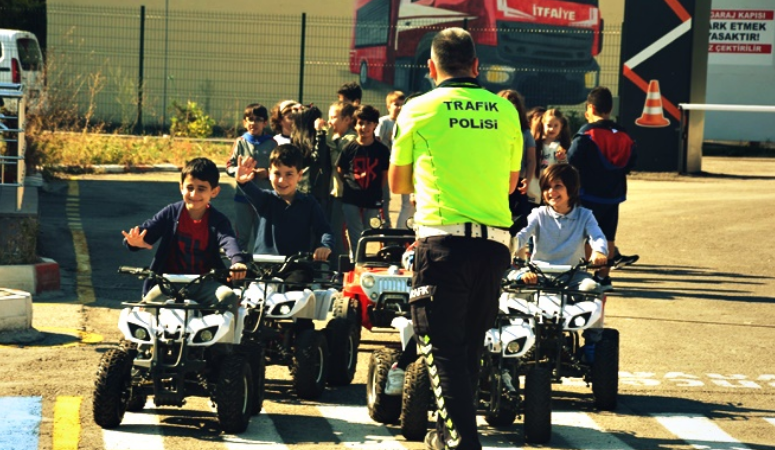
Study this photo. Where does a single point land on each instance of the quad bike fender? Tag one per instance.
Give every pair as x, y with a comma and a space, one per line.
220, 326
300, 305
323, 300
582, 315
405, 330
132, 319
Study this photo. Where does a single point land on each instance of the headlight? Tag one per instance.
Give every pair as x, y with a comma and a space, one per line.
367, 281
205, 335
590, 79
498, 74
283, 309
515, 346
138, 332
581, 320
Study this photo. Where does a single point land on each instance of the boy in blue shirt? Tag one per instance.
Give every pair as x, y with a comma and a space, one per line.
289, 221
257, 144
191, 233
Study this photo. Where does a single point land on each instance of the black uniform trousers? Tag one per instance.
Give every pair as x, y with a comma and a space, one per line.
454, 300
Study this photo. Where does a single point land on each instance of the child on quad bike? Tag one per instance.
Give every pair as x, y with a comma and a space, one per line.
560, 230
289, 222
191, 233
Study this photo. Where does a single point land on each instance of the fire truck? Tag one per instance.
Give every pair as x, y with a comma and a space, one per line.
545, 49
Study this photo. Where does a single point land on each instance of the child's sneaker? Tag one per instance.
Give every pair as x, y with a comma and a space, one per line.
623, 260
395, 381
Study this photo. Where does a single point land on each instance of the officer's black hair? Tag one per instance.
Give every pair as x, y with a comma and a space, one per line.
455, 52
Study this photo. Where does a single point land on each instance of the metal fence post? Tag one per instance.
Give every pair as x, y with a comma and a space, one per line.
301, 56
140, 76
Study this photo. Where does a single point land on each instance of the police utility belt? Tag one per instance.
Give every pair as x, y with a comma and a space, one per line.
470, 230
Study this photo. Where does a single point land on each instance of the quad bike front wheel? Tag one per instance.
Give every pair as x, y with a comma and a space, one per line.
382, 408
234, 393
112, 388
258, 370
343, 342
310, 364
538, 405
605, 371
416, 401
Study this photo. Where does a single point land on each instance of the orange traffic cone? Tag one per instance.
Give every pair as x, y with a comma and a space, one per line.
653, 116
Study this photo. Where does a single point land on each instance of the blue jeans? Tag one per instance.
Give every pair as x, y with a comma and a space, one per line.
357, 219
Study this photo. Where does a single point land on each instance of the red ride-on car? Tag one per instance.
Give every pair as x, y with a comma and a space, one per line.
375, 291
376, 285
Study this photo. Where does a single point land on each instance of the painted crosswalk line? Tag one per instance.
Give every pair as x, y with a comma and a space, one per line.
20, 422
699, 432
581, 431
260, 435
355, 429
138, 431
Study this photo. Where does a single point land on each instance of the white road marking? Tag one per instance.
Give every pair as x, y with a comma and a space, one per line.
354, 428
260, 435
699, 432
579, 430
20, 422
138, 431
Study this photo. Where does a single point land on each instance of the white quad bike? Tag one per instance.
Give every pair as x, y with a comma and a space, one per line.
563, 314
287, 319
177, 349
504, 344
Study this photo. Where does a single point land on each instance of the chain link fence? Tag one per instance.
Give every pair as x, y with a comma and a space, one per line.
127, 66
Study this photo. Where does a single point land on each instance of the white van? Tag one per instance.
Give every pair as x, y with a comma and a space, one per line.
21, 62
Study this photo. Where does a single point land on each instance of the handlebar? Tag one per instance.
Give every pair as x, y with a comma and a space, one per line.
166, 281
550, 275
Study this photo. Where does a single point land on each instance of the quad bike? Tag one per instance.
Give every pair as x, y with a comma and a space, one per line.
286, 317
177, 349
411, 408
505, 346
563, 314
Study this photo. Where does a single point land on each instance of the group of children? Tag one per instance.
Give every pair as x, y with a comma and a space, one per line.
297, 189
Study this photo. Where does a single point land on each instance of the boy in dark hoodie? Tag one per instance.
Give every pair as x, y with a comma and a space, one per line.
604, 154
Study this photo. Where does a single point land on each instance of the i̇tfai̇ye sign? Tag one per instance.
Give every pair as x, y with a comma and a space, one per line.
741, 37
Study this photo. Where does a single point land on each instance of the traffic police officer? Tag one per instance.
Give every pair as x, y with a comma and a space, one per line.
459, 149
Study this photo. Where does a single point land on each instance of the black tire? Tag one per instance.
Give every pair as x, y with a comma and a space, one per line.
605, 371
382, 408
348, 308
416, 401
112, 388
343, 342
310, 364
234, 393
258, 370
538, 405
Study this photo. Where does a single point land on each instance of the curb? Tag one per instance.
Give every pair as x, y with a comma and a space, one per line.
39, 277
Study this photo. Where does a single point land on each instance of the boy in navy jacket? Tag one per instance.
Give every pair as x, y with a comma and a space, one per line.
191, 233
